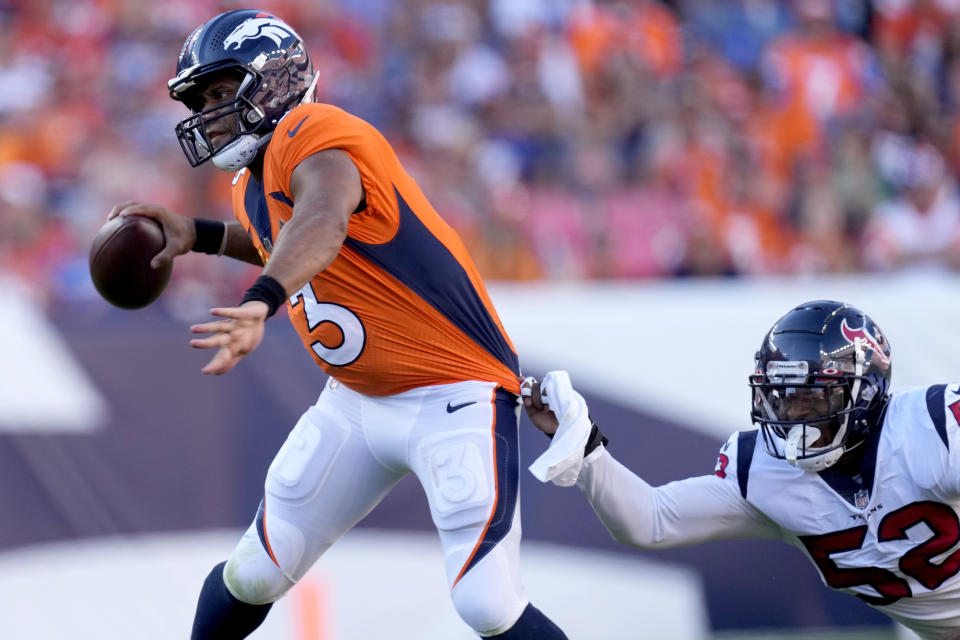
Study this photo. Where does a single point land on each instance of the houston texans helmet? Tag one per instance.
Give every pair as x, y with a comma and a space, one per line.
822, 381
275, 73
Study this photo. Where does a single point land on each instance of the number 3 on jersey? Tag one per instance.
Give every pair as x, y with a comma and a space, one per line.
352, 336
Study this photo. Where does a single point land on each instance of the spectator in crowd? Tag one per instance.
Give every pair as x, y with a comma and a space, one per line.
920, 227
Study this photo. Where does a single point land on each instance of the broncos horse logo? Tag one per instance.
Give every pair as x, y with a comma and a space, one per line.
255, 28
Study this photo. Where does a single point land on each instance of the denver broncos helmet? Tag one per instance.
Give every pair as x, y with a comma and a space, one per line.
275, 73
822, 380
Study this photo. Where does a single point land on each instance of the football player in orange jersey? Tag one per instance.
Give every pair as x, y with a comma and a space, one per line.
422, 376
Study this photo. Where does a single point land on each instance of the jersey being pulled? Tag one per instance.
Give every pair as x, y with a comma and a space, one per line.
402, 305
893, 541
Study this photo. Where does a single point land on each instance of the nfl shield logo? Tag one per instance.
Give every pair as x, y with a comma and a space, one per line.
861, 498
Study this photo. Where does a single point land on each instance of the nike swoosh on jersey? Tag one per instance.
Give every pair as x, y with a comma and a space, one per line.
456, 407
293, 131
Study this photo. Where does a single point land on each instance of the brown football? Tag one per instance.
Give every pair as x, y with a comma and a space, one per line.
120, 261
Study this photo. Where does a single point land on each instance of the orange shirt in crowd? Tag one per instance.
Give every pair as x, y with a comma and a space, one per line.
815, 79
647, 31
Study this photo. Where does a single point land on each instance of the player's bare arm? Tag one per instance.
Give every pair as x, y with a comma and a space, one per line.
180, 233
326, 188
237, 244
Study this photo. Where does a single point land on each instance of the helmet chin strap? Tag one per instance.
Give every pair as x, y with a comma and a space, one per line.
309, 95
240, 152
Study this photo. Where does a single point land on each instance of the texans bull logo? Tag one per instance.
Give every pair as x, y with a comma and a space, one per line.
874, 343
256, 28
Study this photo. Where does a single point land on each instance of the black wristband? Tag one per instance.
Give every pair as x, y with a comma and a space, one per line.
594, 440
266, 289
210, 235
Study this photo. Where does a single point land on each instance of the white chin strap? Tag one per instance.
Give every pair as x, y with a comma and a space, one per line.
240, 152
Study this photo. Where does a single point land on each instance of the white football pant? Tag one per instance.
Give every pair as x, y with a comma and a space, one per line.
350, 449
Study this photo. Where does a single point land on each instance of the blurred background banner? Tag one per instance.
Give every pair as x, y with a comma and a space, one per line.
648, 184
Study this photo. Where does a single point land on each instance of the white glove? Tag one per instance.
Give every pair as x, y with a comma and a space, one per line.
561, 462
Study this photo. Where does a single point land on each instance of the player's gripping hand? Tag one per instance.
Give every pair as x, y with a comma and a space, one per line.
234, 337
179, 233
537, 406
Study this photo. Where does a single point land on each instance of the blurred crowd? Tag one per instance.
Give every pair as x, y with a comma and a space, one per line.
563, 139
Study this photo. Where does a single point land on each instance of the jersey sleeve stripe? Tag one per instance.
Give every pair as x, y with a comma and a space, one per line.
746, 443
935, 407
506, 453
437, 277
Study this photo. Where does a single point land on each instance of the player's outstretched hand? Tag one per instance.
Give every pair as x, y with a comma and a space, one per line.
234, 337
179, 232
538, 406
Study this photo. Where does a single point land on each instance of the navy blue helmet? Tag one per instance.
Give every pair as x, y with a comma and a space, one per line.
821, 382
275, 72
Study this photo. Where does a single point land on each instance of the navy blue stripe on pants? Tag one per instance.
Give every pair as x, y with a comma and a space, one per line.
507, 456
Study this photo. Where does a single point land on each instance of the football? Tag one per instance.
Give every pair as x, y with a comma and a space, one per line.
120, 262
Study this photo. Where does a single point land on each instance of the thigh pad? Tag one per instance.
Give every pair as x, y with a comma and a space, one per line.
303, 462
456, 470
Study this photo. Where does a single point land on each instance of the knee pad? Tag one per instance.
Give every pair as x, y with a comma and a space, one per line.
251, 575
489, 597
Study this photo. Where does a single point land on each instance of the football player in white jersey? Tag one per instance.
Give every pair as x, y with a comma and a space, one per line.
864, 482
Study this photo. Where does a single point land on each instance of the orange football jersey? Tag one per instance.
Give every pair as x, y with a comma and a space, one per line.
402, 305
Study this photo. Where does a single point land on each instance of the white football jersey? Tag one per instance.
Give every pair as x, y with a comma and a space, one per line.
890, 536
891, 539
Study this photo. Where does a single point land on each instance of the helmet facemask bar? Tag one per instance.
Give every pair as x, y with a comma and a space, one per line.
803, 420
192, 132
